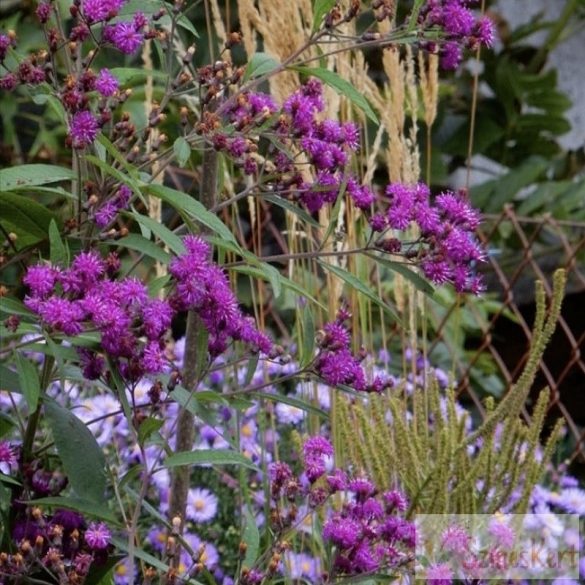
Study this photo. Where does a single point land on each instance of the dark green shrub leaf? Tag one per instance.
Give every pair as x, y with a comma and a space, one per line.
86, 507
196, 210
26, 218
260, 64
251, 537
59, 253
28, 378
83, 459
25, 176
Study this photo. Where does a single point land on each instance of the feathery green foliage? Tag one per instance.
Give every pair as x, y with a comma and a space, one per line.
427, 450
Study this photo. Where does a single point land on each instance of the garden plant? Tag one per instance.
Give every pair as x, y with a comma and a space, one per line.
212, 218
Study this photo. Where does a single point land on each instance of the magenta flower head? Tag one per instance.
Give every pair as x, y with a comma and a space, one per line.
106, 83
7, 454
124, 36
98, 536
315, 450
84, 129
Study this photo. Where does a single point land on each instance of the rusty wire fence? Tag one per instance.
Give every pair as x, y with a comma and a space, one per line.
523, 250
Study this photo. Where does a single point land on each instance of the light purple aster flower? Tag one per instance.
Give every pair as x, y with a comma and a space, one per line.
297, 566
572, 500
201, 505
287, 414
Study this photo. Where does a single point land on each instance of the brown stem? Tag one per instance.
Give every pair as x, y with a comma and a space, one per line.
185, 421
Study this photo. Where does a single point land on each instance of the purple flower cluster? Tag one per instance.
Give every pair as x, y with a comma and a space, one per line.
202, 286
60, 543
370, 533
108, 211
315, 451
86, 297
336, 363
127, 37
447, 248
134, 327
99, 10
92, 20
83, 129
324, 144
460, 26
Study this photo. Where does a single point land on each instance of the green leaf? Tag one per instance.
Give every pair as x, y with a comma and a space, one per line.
127, 75
298, 211
251, 370
26, 218
292, 401
260, 64
173, 241
196, 210
505, 188
182, 151
59, 255
342, 87
83, 459
258, 272
333, 222
358, 285
308, 346
202, 350
147, 427
126, 179
24, 176
157, 284
417, 280
12, 306
209, 457
9, 381
320, 9
141, 244
8, 479
413, 17
117, 156
28, 377
86, 507
251, 537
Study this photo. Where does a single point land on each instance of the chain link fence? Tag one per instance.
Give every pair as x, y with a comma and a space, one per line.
523, 250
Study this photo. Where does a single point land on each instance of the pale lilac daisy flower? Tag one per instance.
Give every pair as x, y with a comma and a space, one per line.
201, 505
